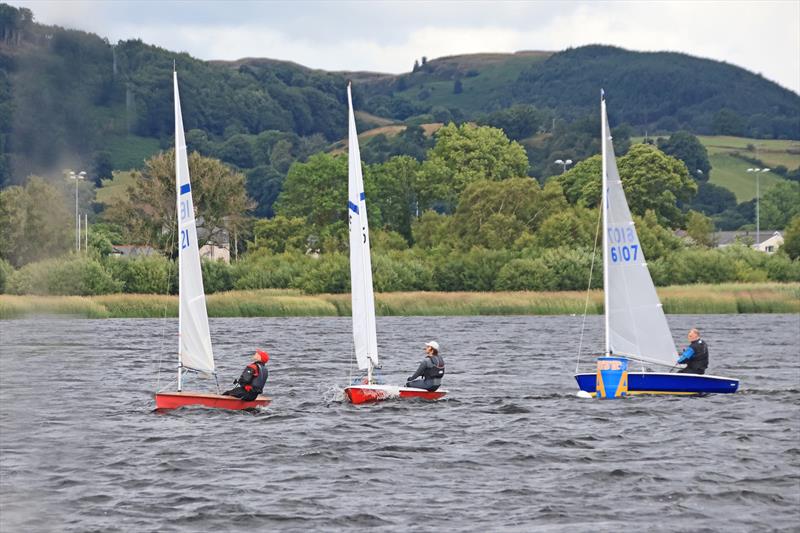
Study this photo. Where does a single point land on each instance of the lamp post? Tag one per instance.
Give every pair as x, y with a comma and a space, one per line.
758, 171
564, 164
79, 176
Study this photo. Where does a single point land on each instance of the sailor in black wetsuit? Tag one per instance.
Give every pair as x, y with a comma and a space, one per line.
430, 370
695, 355
254, 377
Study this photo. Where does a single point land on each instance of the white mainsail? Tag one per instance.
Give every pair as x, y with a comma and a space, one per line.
194, 345
635, 323
363, 300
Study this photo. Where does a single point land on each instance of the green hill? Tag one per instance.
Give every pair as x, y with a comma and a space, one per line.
71, 98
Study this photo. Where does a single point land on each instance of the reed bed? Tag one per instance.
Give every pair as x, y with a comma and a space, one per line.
18, 306
268, 303
729, 298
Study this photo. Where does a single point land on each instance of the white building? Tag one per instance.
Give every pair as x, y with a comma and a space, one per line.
216, 252
770, 245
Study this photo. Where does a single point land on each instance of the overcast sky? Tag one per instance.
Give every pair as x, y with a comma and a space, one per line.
761, 36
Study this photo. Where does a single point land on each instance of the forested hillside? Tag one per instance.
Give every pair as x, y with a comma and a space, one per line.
70, 98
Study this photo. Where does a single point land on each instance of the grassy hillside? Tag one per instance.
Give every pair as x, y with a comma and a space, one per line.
130, 151
480, 74
729, 169
117, 187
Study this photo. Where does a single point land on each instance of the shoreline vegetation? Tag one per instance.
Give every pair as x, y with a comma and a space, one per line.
726, 298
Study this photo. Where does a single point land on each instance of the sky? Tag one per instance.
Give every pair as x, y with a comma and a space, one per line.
387, 36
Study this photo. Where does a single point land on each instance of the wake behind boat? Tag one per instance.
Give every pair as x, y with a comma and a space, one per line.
363, 299
194, 345
635, 325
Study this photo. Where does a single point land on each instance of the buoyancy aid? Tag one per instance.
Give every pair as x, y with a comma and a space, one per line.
254, 377
436, 370
700, 358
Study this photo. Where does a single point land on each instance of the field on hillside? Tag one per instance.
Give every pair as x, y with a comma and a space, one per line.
477, 90
730, 171
115, 188
130, 151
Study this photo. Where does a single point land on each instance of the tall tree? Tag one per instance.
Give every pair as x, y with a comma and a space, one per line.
690, 150
791, 238
651, 179
779, 204
700, 228
35, 222
464, 154
317, 191
395, 183
495, 214
147, 214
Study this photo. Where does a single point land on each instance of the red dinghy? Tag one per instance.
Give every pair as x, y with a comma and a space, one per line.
365, 340
174, 400
195, 353
377, 393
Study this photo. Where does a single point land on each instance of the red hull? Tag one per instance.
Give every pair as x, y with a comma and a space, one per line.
377, 393
174, 400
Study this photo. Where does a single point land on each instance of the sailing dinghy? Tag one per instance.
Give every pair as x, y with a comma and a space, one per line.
194, 339
635, 325
365, 336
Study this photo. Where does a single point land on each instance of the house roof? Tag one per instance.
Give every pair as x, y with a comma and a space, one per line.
724, 238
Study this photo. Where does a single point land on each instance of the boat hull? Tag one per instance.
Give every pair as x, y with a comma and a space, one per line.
358, 394
640, 383
175, 400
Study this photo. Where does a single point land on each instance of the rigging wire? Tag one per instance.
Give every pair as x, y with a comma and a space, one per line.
589, 288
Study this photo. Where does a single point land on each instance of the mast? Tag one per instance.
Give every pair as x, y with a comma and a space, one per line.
604, 207
177, 213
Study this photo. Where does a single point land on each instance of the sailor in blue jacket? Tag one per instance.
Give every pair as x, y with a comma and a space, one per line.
695, 355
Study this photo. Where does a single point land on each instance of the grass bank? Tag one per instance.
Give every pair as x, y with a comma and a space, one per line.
690, 299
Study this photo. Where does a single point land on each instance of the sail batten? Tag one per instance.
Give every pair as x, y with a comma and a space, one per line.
635, 322
194, 351
363, 299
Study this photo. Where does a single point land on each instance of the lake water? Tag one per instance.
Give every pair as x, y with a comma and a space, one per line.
511, 448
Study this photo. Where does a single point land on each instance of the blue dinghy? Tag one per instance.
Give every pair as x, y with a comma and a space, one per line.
636, 328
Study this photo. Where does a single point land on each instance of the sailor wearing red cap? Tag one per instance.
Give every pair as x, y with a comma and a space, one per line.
254, 377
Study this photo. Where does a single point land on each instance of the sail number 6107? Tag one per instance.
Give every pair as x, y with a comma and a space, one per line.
624, 253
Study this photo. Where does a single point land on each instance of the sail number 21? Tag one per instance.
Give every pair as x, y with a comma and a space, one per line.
624, 244
184, 215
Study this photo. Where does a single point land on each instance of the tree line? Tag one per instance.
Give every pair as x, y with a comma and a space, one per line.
466, 217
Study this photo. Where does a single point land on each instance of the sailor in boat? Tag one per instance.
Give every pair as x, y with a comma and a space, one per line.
430, 371
695, 355
251, 383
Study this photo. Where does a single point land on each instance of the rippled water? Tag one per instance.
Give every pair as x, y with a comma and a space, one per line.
511, 449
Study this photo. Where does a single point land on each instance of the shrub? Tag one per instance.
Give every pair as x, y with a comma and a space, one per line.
217, 276
80, 276
5, 272
521, 275
331, 273
475, 270
144, 275
781, 268
400, 272
267, 271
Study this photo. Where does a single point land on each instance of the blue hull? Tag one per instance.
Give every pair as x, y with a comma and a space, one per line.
666, 383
